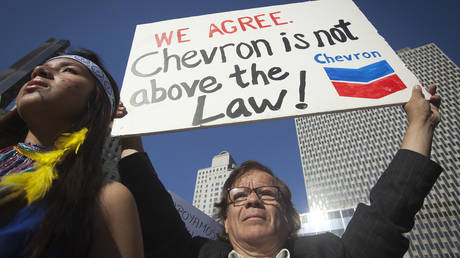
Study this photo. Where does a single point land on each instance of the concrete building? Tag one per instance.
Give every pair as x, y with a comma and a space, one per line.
343, 154
209, 183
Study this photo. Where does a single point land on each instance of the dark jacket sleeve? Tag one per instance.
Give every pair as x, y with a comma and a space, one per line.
376, 230
164, 233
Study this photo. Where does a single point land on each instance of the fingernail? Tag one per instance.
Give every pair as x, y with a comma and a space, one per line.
418, 87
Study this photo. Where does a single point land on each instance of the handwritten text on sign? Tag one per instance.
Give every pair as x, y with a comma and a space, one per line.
258, 64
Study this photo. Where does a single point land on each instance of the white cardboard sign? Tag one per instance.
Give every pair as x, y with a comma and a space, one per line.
258, 64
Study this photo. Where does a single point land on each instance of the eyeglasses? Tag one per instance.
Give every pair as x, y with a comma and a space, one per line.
239, 195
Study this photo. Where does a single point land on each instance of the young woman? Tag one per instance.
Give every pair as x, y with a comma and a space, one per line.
54, 200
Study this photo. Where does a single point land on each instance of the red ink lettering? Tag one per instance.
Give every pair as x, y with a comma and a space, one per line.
180, 35
248, 21
164, 38
275, 18
259, 21
213, 29
224, 28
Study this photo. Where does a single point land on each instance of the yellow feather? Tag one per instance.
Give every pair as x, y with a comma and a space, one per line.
37, 183
72, 140
42, 157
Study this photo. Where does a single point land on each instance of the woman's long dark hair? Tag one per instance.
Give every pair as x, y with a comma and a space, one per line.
71, 200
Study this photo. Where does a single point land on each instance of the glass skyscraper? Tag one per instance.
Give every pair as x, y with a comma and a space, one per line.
343, 155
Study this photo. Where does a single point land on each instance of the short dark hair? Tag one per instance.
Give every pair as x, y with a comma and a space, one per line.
290, 212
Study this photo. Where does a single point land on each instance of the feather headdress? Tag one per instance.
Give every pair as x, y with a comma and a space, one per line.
38, 182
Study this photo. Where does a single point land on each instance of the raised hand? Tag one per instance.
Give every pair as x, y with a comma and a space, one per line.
121, 111
423, 118
422, 112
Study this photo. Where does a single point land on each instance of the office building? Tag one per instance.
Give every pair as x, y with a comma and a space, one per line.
317, 222
343, 155
209, 183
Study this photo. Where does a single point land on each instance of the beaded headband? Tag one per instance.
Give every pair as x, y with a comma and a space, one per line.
98, 73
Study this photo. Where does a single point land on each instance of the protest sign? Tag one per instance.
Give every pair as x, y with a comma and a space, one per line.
258, 64
196, 221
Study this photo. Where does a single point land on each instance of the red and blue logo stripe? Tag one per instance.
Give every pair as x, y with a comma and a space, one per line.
373, 81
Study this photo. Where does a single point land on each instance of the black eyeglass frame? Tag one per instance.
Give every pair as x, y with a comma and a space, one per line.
277, 197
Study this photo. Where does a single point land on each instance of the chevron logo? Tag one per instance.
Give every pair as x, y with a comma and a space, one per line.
373, 81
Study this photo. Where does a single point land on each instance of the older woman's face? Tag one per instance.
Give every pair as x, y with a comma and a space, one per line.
256, 221
58, 90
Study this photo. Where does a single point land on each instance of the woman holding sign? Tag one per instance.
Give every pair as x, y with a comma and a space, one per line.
257, 213
54, 199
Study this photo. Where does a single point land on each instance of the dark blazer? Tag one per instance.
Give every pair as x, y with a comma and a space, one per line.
375, 230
